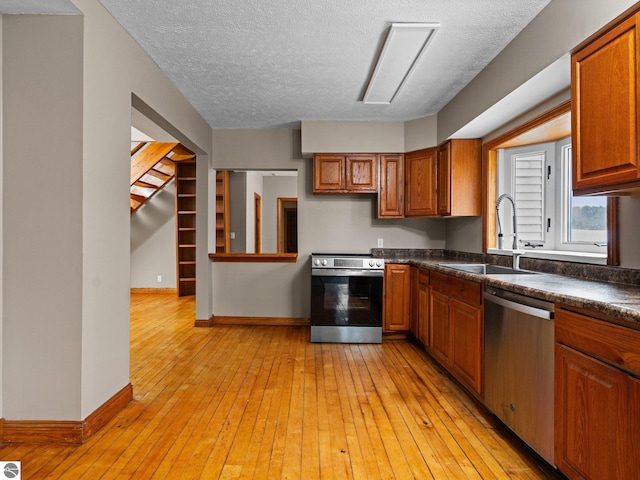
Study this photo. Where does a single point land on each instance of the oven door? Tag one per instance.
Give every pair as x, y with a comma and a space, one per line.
346, 306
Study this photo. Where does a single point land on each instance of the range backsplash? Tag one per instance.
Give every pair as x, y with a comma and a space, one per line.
601, 273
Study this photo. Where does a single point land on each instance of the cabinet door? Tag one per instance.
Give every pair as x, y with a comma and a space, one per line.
423, 314
414, 317
420, 183
605, 110
361, 173
633, 458
444, 179
591, 417
397, 296
328, 173
439, 334
467, 342
391, 192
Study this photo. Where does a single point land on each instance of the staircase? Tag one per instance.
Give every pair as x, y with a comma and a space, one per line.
152, 167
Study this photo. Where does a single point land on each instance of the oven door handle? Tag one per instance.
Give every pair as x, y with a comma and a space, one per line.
337, 272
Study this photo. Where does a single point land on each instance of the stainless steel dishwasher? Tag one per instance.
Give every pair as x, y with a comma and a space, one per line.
519, 346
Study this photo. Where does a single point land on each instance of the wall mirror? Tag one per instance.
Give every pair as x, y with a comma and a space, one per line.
256, 214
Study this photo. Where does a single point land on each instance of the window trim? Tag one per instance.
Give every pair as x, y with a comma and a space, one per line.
551, 125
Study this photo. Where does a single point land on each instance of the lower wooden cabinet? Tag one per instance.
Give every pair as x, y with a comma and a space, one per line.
456, 334
467, 342
397, 298
440, 331
423, 307
597, 417
414, 313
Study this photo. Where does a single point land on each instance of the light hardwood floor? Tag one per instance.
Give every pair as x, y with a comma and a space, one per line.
263, 402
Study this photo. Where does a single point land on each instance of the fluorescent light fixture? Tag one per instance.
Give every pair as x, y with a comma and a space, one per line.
405, 44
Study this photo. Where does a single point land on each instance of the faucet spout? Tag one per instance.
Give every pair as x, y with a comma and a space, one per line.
506, 196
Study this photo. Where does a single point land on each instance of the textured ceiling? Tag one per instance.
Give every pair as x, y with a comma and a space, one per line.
272, 63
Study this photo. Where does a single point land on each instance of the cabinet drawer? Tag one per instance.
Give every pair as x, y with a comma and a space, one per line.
465, 290
612, 343
423, 277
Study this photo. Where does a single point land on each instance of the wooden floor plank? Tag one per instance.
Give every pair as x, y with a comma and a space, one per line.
263, 402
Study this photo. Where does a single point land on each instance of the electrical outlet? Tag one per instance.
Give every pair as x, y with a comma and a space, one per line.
232, 235
380, 242
159, 278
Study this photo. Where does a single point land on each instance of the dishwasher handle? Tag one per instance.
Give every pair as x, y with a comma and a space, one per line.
519, 303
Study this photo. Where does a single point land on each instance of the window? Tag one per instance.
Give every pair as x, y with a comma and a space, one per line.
549, 217
584, 219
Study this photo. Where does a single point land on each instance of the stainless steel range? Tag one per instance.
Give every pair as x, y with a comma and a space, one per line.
346, 298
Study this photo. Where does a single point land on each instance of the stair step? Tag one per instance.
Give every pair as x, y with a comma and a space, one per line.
163, 177
142, 191
165, 166
151, 181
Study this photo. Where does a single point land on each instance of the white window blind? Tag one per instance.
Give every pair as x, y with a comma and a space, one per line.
528, 189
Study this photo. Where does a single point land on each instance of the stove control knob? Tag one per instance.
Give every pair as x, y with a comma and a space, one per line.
379, 263
324, 262
316, 262
372, 263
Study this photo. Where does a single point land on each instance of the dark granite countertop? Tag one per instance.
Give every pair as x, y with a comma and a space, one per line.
618, 302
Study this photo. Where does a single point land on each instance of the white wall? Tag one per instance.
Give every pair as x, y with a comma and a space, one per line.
253, 186
42, 216
1, 217
420, 133
153, 241
114, 68
351, 137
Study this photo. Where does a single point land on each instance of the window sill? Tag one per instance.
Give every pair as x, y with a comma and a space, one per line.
560, 255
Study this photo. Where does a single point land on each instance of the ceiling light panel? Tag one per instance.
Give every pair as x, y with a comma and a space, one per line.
405, 44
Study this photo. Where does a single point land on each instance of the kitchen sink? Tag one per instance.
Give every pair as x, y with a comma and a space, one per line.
486, 269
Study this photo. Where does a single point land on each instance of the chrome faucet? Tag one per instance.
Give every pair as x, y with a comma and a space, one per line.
517, 253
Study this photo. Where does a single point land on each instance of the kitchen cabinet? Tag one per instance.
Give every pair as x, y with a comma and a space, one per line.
456, 335
459, 184
420, 183
397, 298
345, 173
605, 120
391, 191
440, 331
423, 307
597, 424
414, 316
419, 315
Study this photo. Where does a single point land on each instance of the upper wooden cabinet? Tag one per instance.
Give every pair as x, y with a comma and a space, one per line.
338, 173
391, 192
420, 183
459, 186
605, 83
